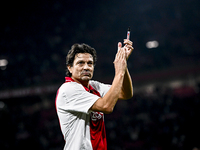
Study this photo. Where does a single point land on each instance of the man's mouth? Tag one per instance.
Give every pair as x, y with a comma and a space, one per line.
86, 73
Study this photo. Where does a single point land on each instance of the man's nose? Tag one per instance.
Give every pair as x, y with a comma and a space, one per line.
86, 66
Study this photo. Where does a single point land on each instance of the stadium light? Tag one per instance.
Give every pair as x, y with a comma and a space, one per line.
152, 44
3, 63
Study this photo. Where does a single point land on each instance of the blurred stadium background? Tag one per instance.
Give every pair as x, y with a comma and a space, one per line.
35, 37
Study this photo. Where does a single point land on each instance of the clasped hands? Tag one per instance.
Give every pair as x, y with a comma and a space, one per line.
127, 47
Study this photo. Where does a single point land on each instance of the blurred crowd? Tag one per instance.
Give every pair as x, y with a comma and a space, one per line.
161, 119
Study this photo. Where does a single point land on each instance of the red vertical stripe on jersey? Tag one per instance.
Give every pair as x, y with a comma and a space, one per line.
97, 131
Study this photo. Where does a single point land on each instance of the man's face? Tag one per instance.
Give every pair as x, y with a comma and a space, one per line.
83, 67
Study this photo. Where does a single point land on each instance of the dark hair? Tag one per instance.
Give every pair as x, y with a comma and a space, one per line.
79, 48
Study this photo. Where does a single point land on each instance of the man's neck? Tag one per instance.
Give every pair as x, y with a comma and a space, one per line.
84, 83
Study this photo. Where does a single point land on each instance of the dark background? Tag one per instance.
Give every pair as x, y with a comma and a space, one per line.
35, 37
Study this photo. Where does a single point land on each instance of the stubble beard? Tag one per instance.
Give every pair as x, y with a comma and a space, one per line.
86, 78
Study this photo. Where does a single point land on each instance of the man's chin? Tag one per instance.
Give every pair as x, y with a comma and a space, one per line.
86, 78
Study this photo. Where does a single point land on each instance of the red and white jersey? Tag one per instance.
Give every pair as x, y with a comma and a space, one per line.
82, 129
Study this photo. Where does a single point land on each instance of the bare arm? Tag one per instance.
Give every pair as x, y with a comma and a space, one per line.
127, 87
106, 104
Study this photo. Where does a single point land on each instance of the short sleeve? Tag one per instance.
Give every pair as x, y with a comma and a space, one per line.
73, 97
100, 87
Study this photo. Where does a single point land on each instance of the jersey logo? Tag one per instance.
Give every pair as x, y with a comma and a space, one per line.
96, 116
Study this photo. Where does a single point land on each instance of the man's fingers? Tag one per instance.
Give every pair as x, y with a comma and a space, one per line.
121, 54
129, 47
119, 45
127, 42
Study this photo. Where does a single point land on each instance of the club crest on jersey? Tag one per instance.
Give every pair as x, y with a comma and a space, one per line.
96, 116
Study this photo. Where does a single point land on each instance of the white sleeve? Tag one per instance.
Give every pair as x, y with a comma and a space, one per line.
73, 97
100, 87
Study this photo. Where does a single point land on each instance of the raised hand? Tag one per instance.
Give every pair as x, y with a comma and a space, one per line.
128, 48
120, 60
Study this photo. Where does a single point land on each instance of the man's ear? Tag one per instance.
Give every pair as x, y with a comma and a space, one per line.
69, 68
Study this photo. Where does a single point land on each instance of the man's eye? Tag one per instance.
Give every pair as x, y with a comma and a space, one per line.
81, 62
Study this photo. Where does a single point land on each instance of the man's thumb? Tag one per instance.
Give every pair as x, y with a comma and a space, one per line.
119, 45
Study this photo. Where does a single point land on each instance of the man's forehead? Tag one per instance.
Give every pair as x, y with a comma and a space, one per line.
83, 55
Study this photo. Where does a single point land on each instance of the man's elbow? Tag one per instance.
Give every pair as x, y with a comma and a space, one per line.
131, 95
108, 110
128, 96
